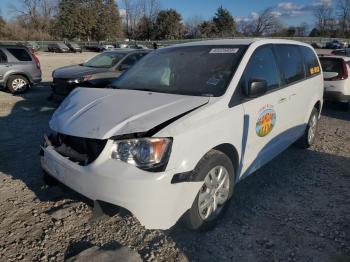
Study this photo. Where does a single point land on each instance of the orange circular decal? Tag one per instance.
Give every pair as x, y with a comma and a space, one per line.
266, 121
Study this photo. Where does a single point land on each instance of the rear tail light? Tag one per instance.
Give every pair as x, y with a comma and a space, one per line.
344, 74
37, 62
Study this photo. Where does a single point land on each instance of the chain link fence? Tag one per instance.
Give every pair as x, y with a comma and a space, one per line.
90, 45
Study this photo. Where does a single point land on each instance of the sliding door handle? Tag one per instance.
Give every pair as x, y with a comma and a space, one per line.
282, 100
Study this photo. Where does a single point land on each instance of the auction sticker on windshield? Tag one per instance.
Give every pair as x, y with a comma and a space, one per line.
224, 51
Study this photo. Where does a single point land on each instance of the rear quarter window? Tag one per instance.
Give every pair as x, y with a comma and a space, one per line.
20, 54
312, 67
291, 63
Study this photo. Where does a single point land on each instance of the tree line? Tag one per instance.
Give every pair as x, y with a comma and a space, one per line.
103, 20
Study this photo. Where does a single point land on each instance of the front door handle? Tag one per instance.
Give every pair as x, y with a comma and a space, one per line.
282, 100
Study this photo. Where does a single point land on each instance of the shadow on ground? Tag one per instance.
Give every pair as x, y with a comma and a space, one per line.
296, 208
22, 132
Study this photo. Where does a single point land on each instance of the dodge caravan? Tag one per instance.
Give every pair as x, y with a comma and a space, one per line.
179, 129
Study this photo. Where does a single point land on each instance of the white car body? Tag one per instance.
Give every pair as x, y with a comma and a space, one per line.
337, 81
198, 125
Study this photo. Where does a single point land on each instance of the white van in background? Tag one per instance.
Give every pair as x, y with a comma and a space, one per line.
184, 125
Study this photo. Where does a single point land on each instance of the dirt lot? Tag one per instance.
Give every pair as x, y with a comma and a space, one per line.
297, 208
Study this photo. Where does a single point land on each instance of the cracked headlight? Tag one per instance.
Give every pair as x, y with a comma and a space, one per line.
144, 153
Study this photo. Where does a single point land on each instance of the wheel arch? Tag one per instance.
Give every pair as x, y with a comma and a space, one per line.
318, 106
231, 152
17, 74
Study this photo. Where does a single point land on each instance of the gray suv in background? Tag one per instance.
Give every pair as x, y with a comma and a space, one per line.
19, 68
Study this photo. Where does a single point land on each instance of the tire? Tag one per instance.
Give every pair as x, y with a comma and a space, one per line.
17, 84
49, 180
213, 164
310, 134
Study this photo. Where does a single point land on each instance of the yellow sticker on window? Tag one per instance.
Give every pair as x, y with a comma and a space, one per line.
315, 70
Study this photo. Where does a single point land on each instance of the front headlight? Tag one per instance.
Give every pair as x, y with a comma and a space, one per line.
79, 80
144, 153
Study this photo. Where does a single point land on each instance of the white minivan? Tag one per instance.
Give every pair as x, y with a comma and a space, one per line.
177, 131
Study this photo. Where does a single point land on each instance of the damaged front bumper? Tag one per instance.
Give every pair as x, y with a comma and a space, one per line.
151, 197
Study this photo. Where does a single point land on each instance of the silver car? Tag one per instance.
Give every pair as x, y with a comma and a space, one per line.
19, 68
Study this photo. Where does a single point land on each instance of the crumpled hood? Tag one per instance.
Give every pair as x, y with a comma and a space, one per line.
74, 71
104, 113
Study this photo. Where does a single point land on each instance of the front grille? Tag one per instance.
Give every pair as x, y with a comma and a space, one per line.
80, 150
61, 87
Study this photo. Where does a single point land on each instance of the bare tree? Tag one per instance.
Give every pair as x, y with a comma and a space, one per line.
192, 29
324, 15
344, 15
36, 15
136, 9
264, 23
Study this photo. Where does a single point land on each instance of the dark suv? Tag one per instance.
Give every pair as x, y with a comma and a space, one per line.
19, 68
98, 72
58, 48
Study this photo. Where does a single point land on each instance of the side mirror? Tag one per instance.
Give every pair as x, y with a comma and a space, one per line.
256, 87
124, 67
328, 75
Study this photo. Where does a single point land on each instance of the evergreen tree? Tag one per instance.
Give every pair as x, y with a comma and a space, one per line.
224, 22
168, 25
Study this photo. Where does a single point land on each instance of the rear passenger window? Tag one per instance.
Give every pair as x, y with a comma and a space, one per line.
262, 66
312, 67
291, 63
20, 54
3, 57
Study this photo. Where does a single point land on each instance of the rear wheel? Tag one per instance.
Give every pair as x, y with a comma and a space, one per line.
17, 84
310, 134
217, 173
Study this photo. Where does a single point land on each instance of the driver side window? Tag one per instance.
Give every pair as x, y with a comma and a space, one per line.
262, 66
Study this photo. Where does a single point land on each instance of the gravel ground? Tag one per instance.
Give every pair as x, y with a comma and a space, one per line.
296, 208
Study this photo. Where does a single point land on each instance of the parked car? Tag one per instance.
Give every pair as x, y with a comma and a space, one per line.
316, 45
73, 47
334, 44
138, 46
19, 68
32, 46
184, 125
122, 45
106, 48
341, 52
97, 72
58, 48
336, 79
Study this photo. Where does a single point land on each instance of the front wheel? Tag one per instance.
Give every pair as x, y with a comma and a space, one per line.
309, 136
217, 173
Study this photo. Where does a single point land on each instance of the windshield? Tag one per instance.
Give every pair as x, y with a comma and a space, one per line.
194, 70
104, 60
